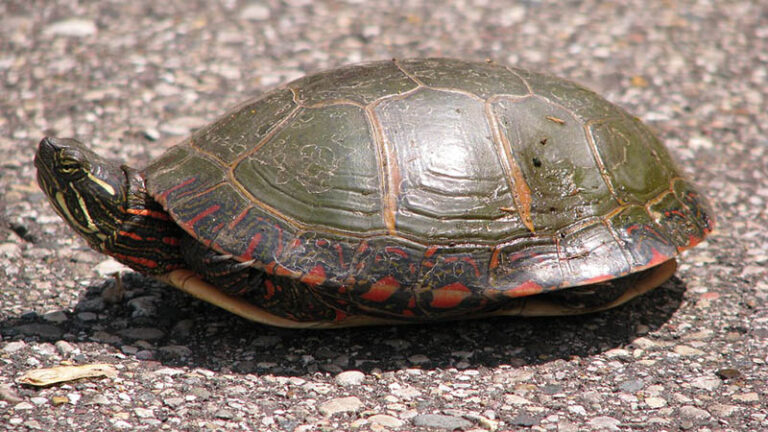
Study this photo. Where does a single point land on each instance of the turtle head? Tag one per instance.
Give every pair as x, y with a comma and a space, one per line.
85, 189
108, 205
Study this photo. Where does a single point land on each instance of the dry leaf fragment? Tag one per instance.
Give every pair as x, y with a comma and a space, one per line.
59, 374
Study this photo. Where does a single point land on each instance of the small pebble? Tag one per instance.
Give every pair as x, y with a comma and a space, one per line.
73, 27
23, 406
87, 316
109, 267
385, 420
255, 12
142, 333
418, 359
605, 423
57, 317
145, 355
728, 373
224, 414
350, 378
689, 412
12, 347
340, 405
441, 421
706, 382
143, 413
8, 394
64, 347
631, 386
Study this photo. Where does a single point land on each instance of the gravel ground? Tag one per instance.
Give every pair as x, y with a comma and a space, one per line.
131, 78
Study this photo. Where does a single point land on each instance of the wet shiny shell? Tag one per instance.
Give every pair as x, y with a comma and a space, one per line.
432, 184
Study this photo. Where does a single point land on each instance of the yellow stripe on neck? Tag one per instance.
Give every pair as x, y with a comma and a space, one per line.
102, 184
91, 227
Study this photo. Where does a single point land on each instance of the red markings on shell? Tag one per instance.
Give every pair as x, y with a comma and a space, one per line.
255, 240
207, 212
149, 213
382, 289
315, 277
187, 182
524, 289
398, 251
449, 296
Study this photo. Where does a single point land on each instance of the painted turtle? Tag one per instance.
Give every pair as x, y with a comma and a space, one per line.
394, 192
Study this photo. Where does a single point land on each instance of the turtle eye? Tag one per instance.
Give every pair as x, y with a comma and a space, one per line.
71, 162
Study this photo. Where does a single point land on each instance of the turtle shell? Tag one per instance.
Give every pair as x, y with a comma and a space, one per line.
432, 185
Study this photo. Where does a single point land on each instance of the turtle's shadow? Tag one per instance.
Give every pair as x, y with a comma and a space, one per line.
178, 330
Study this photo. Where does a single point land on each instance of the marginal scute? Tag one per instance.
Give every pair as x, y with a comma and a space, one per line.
590, 255
385, 262
448, 279
675, 221
527, 262
641, 237
699, 210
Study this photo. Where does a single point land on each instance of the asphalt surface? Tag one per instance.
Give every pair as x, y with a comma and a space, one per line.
132, 78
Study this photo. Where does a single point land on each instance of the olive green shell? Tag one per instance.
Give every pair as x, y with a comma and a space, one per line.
432, 183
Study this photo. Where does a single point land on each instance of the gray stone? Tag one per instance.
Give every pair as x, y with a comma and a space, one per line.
631, 386
95, 304
145, 355
176, 350
144, 306
45, 349
8, 394
706, 382
350, 378
696, 415
43, 330
39, 400
12, 347
385, 420
440, 421
605, 423
183, 329
57, 317
23, 406
224, 414
525, 419
142, 333
173, 402
201, 393
87, 316
144, 413
64, 347
340, 405
265, 341
10, 250
418, 359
